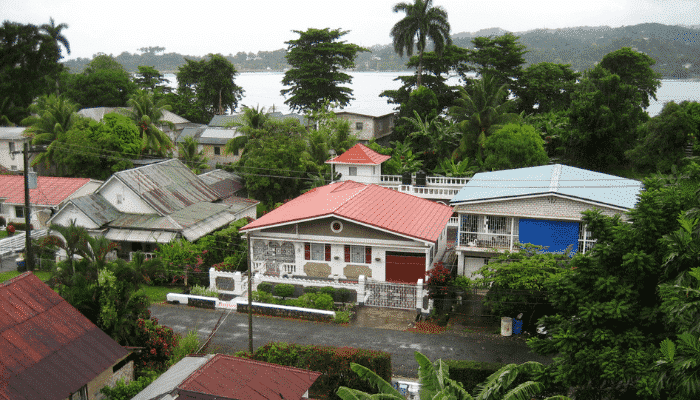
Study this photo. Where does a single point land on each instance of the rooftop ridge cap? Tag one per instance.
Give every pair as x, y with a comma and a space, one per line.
556, 174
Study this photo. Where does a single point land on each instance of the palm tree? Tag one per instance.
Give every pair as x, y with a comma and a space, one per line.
52, 115
481, 111
252, 121
54, 32
72, 239
147, 113
423, 21
191, 157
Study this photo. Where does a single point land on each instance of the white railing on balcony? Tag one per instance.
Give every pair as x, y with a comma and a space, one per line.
436, 187
454, 221
487, 240
429, 180
288, 269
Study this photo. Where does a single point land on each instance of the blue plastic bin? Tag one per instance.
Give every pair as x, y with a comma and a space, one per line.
517, 326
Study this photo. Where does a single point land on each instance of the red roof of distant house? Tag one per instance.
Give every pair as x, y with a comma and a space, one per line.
227, 377
374, 205
359, 154
48, 349
50, 191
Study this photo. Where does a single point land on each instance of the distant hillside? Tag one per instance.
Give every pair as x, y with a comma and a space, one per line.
676, 50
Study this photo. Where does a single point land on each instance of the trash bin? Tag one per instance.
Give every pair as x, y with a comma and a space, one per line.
506, 326
517, 326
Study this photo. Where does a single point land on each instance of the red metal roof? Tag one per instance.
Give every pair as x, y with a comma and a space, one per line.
373, 205
48, 349
50, 190
227, 377
359, 154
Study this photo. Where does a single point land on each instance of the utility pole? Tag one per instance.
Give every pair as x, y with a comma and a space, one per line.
250, 297
28, 257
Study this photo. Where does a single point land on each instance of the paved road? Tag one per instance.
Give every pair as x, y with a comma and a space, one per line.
233, 336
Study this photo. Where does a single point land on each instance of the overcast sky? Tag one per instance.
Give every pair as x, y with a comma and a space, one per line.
199, 27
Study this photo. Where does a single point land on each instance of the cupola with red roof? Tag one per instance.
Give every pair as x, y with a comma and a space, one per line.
360, 164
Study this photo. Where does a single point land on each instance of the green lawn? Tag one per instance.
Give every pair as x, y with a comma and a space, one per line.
43, 275
157, 293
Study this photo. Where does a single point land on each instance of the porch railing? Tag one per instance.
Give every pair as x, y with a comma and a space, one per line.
487, 240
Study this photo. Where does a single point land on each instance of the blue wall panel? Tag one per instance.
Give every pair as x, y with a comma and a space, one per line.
557, 235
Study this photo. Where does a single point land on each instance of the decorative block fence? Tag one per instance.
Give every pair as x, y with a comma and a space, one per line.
369, 292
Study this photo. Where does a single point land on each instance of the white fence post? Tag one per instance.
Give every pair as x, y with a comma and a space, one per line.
238, 282
419, 295
361, 290
212, 279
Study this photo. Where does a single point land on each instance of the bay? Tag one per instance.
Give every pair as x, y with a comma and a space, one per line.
263, 89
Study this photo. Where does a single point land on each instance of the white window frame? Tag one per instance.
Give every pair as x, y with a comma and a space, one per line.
357, 254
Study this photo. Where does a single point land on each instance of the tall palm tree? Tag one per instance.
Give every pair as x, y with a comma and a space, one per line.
422, 21
148, 113
189, 155
52, 115
481, 110
252, 121
54, 32
72, 238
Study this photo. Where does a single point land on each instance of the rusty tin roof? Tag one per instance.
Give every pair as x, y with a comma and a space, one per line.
227, 377
48, 349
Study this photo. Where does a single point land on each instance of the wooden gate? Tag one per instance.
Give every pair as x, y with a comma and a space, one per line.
391, 295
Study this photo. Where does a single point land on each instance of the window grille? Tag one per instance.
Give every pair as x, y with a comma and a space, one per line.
358, 126
357, 254
585, 239
352, 171
318, 251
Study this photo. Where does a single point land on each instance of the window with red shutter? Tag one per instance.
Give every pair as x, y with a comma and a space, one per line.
347, 253
307, 251
328, 252
368, 255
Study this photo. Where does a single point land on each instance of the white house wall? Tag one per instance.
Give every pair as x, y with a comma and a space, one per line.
13, 162
549, 207
87, 188
124, 199
370, 174
71, 212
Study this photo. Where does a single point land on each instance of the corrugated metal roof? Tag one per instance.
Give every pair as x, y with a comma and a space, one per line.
98, 113
359, 154
140, 236
12, 133
227, 377
555, 179
374, 205
167, 186
50, 191
224, 183
170, 379
48, 349
224, 120
371, 112
144, 221
197, 213
97, 208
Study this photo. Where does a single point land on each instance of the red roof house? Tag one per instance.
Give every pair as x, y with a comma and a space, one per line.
225, 377
49, 350
359, 163
49, 195
350, 229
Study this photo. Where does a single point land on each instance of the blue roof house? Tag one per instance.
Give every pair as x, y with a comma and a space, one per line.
539, 205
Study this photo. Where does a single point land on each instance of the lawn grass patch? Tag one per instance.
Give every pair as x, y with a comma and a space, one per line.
158, 294
43, 275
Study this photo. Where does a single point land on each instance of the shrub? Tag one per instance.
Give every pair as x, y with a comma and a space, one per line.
189, 344
310, 289
154, 272
10, 230
126, 391
333, 362
329, 290
471, 373
158, 342
342, 317
265, 287
306, 300
263, 297
284, 290
323, 302
344, 295
2, 221
202, 291
21, 226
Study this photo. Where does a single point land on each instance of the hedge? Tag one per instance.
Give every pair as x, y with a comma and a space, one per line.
333, 362
471, 373
283, 312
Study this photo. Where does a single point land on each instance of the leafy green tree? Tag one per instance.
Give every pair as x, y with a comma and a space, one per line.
28, 61
206, 88
607, 323
402, 160
195, 160
546, 87
97, 149
423, 101
252, 123
436, 136
604, 115
514, 146
662, 139
276, 161
147, 113
52, 115
500, 57
149, 78
634, 68
54, 32
72, 239
103, 83
421, 22
314, 78
448, 167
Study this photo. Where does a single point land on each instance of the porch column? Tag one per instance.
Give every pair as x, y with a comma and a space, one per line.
460, 263
361, 290
419, 295
212, 278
